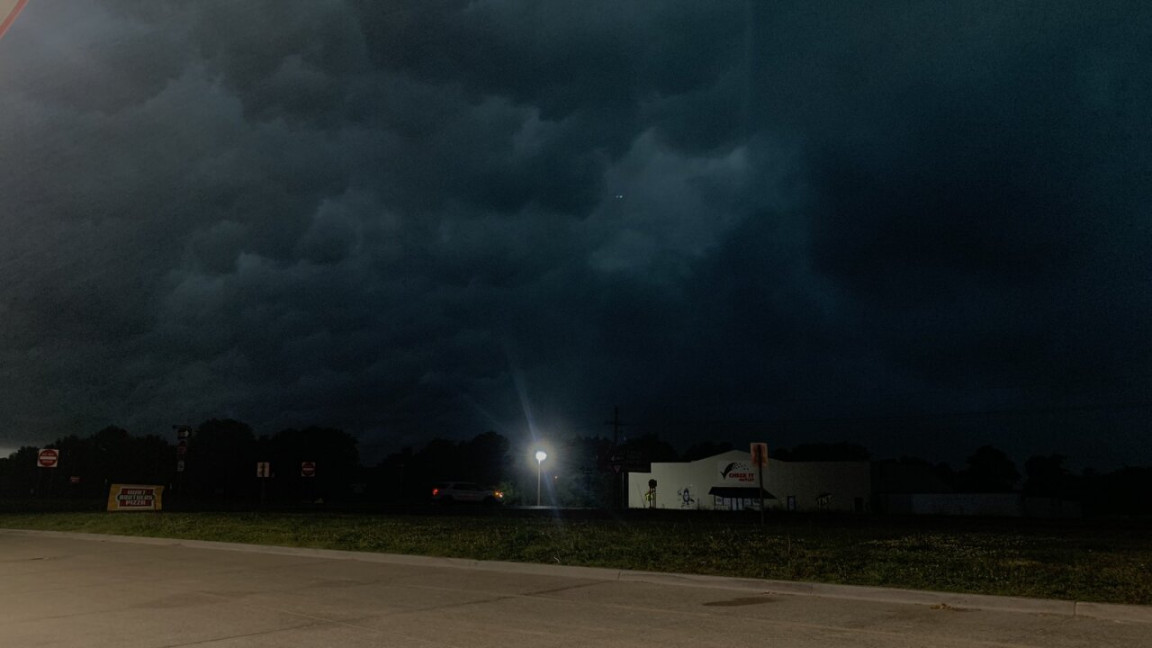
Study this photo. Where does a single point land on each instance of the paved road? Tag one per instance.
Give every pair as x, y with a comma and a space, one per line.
58, 590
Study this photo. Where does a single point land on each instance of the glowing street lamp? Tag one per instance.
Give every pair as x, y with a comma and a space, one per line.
540, 457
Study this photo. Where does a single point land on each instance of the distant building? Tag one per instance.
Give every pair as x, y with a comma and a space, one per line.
980, 505
903, 488
729, 481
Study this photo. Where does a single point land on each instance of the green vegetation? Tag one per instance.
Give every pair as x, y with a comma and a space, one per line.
1068, 560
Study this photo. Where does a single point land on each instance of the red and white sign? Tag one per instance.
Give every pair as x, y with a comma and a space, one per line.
759, 454
307, 468
9, 9
737, 471
48, 458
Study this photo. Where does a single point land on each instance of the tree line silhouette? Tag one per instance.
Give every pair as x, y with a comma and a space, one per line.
220, 457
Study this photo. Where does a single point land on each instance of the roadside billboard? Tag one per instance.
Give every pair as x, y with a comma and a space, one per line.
135, 497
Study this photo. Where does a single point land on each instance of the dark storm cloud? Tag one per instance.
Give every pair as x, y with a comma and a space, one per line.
421, 218
984, 234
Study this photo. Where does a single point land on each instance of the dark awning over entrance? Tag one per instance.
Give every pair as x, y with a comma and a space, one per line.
739, 492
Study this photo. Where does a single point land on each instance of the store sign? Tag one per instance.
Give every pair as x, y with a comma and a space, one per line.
135, 497
742, 472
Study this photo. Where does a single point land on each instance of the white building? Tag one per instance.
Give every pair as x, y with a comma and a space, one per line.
729, 481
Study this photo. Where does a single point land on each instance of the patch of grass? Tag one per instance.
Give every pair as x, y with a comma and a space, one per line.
1075, 561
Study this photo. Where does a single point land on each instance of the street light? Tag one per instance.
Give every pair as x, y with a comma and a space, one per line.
540, 457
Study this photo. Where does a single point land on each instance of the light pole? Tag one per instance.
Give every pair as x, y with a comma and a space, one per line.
540, 457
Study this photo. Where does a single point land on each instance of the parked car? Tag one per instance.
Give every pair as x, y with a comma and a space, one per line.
454, 491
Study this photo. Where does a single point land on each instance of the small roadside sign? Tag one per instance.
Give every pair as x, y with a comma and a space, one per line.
760, 454
307, 468
760, 460
48, 458
263, 469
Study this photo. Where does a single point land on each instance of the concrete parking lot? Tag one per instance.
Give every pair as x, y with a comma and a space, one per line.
98, 591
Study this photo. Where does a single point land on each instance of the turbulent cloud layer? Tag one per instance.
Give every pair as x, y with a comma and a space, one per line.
418, 218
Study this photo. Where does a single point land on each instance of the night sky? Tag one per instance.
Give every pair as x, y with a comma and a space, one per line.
920, 227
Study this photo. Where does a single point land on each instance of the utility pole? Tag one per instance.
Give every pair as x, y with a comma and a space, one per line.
616, 459
616, 425
183, 433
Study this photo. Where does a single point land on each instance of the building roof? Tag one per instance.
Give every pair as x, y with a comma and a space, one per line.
730, 455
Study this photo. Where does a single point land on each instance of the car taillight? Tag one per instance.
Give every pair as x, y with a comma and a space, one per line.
435, 492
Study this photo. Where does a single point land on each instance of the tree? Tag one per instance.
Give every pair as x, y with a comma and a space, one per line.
487, 458
586, 477
391, 478
705, 449
484, 459
333, 452
824, 452
644, 450
18, 473
221, 459
1120, 492
1048, 477
989, 470
112, 455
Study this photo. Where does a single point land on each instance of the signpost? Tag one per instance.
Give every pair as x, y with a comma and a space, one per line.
617, 463
307, 468
760, 459
183, 433
263, 472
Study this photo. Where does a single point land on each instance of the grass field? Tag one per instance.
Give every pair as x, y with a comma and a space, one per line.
1081, 560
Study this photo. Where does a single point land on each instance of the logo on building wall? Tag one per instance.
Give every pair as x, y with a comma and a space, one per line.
737, 471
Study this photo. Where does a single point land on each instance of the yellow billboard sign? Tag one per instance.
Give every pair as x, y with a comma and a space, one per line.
135, 497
